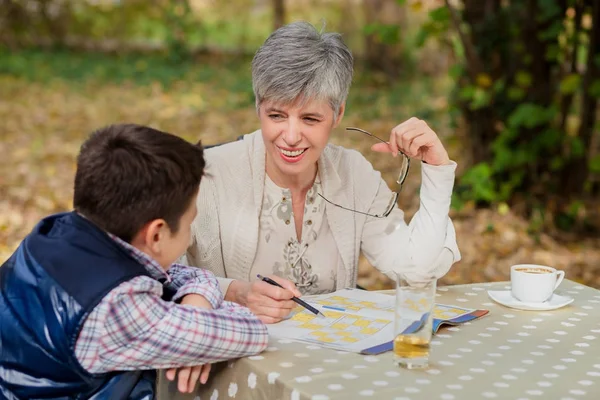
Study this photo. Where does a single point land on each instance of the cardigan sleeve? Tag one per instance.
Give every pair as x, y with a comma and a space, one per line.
424, 247
205, 249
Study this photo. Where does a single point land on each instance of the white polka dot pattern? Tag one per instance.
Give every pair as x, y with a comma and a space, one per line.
233, 388
507, 354
380, 383
252, 380
272, 377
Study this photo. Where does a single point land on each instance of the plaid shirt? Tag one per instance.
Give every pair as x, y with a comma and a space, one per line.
133, 328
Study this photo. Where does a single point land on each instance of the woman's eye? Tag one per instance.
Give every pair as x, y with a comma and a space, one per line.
312, 120
275, 116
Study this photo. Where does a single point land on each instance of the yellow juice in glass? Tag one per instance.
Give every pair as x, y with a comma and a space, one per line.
413, 322
411, 347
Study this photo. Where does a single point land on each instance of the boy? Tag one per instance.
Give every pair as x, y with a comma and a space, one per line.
89, 302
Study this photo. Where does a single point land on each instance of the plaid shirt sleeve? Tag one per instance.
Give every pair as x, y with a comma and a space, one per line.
192, 280
133, 328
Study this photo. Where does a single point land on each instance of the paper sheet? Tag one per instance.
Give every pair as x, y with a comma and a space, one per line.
354, 320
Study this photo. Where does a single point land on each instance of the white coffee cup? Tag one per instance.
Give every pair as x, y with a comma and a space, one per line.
531, 283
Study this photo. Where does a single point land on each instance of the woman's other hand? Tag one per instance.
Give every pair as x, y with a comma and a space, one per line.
269, 303
416, 139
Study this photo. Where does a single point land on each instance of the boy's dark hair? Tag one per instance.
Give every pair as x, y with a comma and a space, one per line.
128, 175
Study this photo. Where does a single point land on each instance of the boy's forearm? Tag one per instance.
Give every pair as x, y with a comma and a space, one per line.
211, 294
133, 328
182, 274
192, 280
220, 335
196, 300
210, 336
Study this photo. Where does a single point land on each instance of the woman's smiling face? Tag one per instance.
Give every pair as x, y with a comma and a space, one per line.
295, 136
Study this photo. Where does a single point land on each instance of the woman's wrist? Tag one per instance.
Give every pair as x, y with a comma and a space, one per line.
235, 292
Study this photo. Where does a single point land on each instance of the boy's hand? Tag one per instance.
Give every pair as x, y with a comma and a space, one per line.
188, 377
196, 300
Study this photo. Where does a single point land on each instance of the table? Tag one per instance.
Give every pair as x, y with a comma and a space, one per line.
508, 354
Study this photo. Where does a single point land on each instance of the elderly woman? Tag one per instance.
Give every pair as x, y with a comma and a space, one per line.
285, 203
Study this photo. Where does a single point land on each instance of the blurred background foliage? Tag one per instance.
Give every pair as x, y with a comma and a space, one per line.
511, 86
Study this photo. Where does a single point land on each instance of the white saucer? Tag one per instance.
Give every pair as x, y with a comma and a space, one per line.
505, 298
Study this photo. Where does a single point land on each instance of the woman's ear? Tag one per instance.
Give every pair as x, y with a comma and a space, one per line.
340, 115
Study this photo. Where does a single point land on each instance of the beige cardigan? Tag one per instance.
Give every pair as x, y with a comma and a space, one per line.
225, 232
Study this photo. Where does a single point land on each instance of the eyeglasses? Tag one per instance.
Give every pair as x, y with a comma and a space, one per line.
400, 181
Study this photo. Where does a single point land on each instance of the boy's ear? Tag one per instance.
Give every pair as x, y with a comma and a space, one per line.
152, 234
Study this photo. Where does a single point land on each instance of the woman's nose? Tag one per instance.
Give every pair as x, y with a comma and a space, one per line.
292, 135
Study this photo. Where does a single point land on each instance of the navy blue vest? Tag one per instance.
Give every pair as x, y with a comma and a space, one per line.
48, 287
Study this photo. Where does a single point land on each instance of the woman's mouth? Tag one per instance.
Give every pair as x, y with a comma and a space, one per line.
292, 156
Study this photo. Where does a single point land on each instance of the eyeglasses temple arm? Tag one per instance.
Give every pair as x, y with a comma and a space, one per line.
351, 128
349, 209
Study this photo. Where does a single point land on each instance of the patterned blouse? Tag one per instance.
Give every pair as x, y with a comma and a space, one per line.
310, 263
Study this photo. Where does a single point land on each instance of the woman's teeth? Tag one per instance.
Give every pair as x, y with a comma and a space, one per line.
294, 153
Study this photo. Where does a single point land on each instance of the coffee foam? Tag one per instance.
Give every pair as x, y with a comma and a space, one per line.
530, 270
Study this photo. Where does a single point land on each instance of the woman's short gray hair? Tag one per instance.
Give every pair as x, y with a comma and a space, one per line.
298, 63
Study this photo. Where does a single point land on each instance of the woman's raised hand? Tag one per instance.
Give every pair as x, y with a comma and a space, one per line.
416, 139
269, 303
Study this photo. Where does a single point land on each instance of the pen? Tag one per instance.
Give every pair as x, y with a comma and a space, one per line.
295, 299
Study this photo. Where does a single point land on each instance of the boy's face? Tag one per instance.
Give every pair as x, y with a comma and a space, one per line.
159, 242
175, 244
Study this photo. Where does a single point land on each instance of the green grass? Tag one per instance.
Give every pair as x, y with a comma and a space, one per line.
45, 65
372, 97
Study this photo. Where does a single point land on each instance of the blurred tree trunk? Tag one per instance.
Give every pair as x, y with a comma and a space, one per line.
487, 60
383, 40
480, 121
13, 19
56, 16
517, 90
278, 13
577, 170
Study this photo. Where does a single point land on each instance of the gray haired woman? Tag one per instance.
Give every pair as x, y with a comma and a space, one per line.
285, 203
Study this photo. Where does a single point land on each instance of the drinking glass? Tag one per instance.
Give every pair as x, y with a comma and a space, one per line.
415, 301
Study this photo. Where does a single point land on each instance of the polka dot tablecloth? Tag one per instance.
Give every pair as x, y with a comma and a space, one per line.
508, 354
